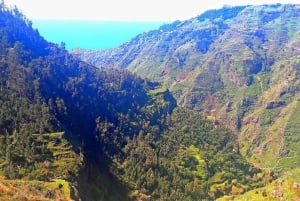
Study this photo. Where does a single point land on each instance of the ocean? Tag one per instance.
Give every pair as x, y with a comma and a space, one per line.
91, 35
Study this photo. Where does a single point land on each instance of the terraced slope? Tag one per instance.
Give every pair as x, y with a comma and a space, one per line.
69, 130
55, 167
239, 65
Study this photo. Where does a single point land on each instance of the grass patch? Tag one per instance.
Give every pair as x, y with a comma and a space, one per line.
44, 179
284, 188
193, 162
19, 190
61, 185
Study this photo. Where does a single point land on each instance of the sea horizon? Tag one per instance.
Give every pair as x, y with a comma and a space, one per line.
92, 34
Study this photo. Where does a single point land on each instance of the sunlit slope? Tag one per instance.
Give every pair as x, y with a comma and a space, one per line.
239, 65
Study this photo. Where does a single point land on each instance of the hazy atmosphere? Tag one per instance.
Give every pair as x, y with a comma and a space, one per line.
129, 10
149, 100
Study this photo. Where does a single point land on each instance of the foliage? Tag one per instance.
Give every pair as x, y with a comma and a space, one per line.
224, 13
108, 134
16, 190
284, 188
187, 160
45, 90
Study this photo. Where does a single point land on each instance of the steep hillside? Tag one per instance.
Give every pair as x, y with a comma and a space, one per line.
71, 131
238, 65
47, 171
284, 188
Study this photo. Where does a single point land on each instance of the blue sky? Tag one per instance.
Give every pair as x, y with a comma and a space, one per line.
125, 10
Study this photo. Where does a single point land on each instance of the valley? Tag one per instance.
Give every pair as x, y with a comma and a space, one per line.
201, 109
238, 65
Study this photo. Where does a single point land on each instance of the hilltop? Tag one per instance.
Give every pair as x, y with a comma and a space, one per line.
71, 131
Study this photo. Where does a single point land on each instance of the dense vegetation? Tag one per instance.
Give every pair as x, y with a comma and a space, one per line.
69, 130
239, 65
193, 160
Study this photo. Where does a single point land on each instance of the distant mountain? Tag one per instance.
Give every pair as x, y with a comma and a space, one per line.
71, 131
238, 65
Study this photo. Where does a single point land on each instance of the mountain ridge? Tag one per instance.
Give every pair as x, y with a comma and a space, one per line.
238, 65
71, 131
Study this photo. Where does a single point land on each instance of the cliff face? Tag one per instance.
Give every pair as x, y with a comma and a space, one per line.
239, 65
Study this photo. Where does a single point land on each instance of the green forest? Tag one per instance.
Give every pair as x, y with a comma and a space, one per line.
73, 131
